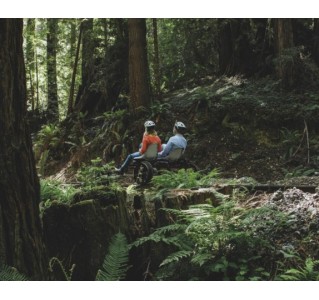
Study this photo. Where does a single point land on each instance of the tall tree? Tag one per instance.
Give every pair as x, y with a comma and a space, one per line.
108, 77
21, 243
138, 65
75, 66
30, 59
283, 48
52, 41
235, 53
315, 47
87, 50
157, 77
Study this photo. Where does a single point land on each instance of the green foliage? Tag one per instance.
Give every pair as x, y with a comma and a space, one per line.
184, 178
95, 174
290, 139
159, 110
308, 271
115, 264
54, 190
8, 273
226, 242
299, 171
47, 138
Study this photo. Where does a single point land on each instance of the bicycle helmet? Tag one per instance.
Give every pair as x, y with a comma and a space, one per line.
180, 125
148, 124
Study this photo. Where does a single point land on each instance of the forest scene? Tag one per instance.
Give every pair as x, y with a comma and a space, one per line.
159, 149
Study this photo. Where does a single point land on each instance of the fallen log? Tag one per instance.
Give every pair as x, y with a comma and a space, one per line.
270, 188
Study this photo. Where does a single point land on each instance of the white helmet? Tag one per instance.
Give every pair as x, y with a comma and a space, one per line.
149, 124
180, 125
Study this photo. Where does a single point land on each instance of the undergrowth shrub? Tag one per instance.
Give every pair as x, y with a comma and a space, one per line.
184, 178
95, 174
226, 242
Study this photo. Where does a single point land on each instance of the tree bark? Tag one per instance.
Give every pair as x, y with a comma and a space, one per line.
235, 53
138, 65
285, 59
30, 58
315, 47
87, 50
53, 105
157, 77
75, 66
21, 241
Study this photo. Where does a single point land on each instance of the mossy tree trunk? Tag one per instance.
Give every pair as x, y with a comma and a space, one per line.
21, 243
53, 105
138, 65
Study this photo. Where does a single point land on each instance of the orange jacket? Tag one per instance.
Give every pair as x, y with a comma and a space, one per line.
150, 139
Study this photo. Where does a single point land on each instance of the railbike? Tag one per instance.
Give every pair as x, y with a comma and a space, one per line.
148, 164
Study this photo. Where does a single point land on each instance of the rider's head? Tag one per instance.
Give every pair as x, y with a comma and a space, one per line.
179, 127
149, 126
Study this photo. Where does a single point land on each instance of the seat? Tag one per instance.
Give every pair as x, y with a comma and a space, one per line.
150, 153
175, 154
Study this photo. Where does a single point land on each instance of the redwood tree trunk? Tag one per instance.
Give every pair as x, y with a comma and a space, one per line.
138, 65
283, 45
87, 50
315, 47
30, 58
157, 77
53, 106
21, 243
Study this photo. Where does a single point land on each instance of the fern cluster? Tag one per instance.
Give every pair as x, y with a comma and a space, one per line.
95, 174
217, 243
184, 178
8, 273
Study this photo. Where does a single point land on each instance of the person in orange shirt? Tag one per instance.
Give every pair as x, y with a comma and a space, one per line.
150, 137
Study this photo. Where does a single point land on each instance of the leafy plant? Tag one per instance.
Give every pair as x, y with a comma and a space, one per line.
184, 178
115, 264
95, 174
51, 190
159, 110
226, 242
308, 271
8, 273
47, 138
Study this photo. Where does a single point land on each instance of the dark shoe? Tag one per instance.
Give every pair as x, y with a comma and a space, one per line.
119, 171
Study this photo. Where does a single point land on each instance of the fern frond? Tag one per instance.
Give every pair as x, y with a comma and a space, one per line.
176, 256
201, 258
115, 262
8, 273
159, 235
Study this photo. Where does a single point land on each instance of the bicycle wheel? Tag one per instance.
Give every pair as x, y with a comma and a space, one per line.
143, 173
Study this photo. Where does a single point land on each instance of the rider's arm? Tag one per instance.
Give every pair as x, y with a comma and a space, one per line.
167, 148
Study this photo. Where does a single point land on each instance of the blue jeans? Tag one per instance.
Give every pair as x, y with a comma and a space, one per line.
128, 160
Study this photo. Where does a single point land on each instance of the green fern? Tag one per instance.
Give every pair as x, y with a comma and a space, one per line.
161, 234
115, 263
8, 273
306, 272
176, 257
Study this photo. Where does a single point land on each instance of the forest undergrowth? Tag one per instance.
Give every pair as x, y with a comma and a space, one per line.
240, 131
